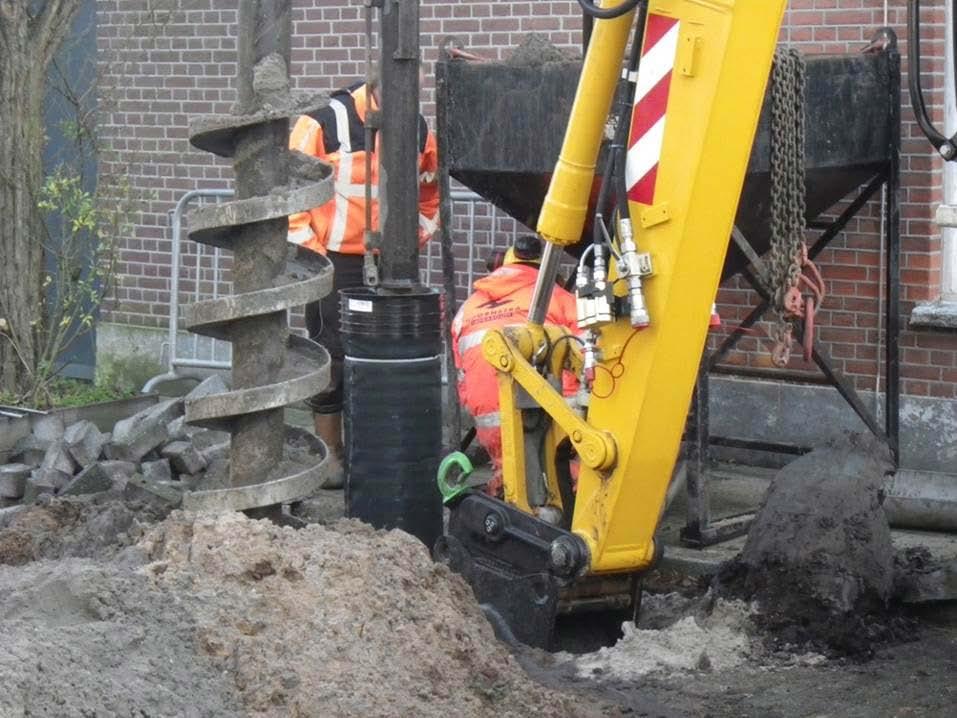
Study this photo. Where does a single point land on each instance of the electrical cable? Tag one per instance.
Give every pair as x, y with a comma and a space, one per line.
564, 337
617, 369
581, 260
592, 10
613, 383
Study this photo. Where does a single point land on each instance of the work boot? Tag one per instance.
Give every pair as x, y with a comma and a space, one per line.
329, 429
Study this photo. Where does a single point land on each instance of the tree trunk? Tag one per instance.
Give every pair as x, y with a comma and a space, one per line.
27, 45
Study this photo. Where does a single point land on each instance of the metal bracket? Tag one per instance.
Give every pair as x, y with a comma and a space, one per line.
717, 531
596, 448
656, 215
688, 53
515, 563
370, 271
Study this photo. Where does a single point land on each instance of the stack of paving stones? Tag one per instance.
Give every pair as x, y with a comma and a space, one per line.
152, 456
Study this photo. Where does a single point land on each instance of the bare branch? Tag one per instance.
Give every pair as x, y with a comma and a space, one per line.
51, 26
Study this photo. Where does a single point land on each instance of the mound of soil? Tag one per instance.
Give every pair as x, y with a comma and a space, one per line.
221, 615
536, 49
818, 560
97, 525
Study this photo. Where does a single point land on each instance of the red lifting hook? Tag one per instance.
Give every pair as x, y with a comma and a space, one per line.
799, 306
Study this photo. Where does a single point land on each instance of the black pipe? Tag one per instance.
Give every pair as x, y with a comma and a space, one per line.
892, 225
698, 512
452, 407
392, 373
589, 8
946, 147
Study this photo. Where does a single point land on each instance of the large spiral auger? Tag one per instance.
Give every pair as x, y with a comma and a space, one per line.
253, 318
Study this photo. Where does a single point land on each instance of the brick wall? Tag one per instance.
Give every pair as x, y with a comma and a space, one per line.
165, 61
851, 321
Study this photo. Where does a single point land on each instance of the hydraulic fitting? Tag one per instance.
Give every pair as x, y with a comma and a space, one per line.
603, 299
584, 302
589, 358
630, 266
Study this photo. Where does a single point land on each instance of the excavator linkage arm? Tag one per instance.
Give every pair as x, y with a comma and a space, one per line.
698, 92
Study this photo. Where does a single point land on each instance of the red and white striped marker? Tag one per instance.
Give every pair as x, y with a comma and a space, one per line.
651, 107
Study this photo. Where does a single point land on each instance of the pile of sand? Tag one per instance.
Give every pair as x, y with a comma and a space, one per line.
220, 615
713, 639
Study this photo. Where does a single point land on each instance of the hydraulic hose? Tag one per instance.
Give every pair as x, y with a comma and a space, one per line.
589, 7
614, 172
946, 147
628, 100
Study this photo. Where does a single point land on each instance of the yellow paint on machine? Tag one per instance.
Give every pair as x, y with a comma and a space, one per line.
642, 398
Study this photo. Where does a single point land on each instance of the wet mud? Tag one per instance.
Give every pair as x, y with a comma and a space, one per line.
818, 563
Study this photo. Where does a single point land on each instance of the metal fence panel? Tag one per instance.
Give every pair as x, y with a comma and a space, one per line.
201, 272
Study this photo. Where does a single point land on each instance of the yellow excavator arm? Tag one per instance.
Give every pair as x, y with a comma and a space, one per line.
694, 89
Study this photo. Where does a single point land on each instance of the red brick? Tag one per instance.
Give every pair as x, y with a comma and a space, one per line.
187, 70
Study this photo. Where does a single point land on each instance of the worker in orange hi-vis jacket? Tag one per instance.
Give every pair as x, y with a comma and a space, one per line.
336, 134
501, 298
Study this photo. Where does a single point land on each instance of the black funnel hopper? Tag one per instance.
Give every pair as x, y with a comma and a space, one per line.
504, 123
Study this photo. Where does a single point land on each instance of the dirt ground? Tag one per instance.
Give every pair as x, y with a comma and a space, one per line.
108, 608
805, 622
914, 678
205, 615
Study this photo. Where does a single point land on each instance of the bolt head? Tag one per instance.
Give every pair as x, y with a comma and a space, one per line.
562, 556
576, 435
492, 524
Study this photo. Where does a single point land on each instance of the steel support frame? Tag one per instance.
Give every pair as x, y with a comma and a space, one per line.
452, 407
700, 530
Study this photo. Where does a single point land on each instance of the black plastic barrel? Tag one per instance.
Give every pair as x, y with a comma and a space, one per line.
392, 381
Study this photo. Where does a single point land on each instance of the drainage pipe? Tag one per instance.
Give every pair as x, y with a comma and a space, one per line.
921, 500
392, 374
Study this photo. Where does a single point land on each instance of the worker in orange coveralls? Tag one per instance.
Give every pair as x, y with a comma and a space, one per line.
336, 134
501, 298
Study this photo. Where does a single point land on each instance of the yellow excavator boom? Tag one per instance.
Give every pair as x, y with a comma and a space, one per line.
702, 77
644, 307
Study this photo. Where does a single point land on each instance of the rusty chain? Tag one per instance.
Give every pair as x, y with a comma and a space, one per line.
786, 254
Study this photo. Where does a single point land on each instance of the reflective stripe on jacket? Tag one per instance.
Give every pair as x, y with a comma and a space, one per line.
336, 134
500, 299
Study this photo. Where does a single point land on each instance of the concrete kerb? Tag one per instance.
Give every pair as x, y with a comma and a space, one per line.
136, 436
84, 442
